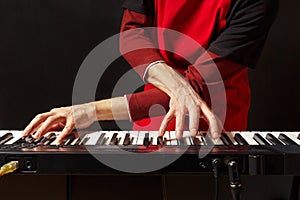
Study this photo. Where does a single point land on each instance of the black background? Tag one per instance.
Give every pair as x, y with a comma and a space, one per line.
43, 43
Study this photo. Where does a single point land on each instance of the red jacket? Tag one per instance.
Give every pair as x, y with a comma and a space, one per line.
232, 32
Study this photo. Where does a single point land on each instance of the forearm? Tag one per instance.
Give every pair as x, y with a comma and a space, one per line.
137, 42
167, 79
111, 109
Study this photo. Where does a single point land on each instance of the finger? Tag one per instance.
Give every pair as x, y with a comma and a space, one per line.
36, 122
57, 127
213, 122
179, 124
46, 125
66, 131
164, 124
194, 118
214, 127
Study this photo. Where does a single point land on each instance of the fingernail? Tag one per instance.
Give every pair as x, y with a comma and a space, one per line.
58, 140
161, 133
215, 135
36, 135
216, 141
178, 135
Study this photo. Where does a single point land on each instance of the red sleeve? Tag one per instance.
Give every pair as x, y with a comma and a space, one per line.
137, 44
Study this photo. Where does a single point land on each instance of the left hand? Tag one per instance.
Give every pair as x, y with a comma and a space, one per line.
68, 118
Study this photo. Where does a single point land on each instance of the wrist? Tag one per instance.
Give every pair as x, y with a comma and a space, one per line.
166, 78
100, 107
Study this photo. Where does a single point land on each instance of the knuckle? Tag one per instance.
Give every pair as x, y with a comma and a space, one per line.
54, 110
68, 127
51, 118
39, 116
180, 114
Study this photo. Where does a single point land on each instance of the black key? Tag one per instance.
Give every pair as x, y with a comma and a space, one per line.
105, 140
274, 141
19, 141
29, 139
99, 141
5, 138
146, 140
114, 139
50, 140
77, 142
298, 137
182, 141
160, 140
68, 140
45, 138
240, 140
203, 140
50, 135
127, 139
196, 141
84, 141
151, 141
131, 140
37, 141
226, 140
259, 139
286, 140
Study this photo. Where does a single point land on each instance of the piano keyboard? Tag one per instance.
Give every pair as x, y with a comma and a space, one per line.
257, 152
13, 139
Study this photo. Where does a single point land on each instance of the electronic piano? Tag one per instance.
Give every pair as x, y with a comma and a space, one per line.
258, 153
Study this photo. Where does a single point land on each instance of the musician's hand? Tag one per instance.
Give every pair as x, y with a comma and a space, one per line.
68, 118
184, 101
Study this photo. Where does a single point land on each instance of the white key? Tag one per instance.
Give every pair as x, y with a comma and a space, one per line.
74, 141
263, 134
134, 135
217, 142
276, 134
93, 138
140, 139
103, 141
121, 137
248, 136
187, 137
213, 141
16, 135
110, 135
167, 136
293, 136
57, 134
173, 138
201, 139
4, 132
85, 139
231, 137
154, 136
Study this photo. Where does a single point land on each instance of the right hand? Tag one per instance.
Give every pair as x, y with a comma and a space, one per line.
184, 101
